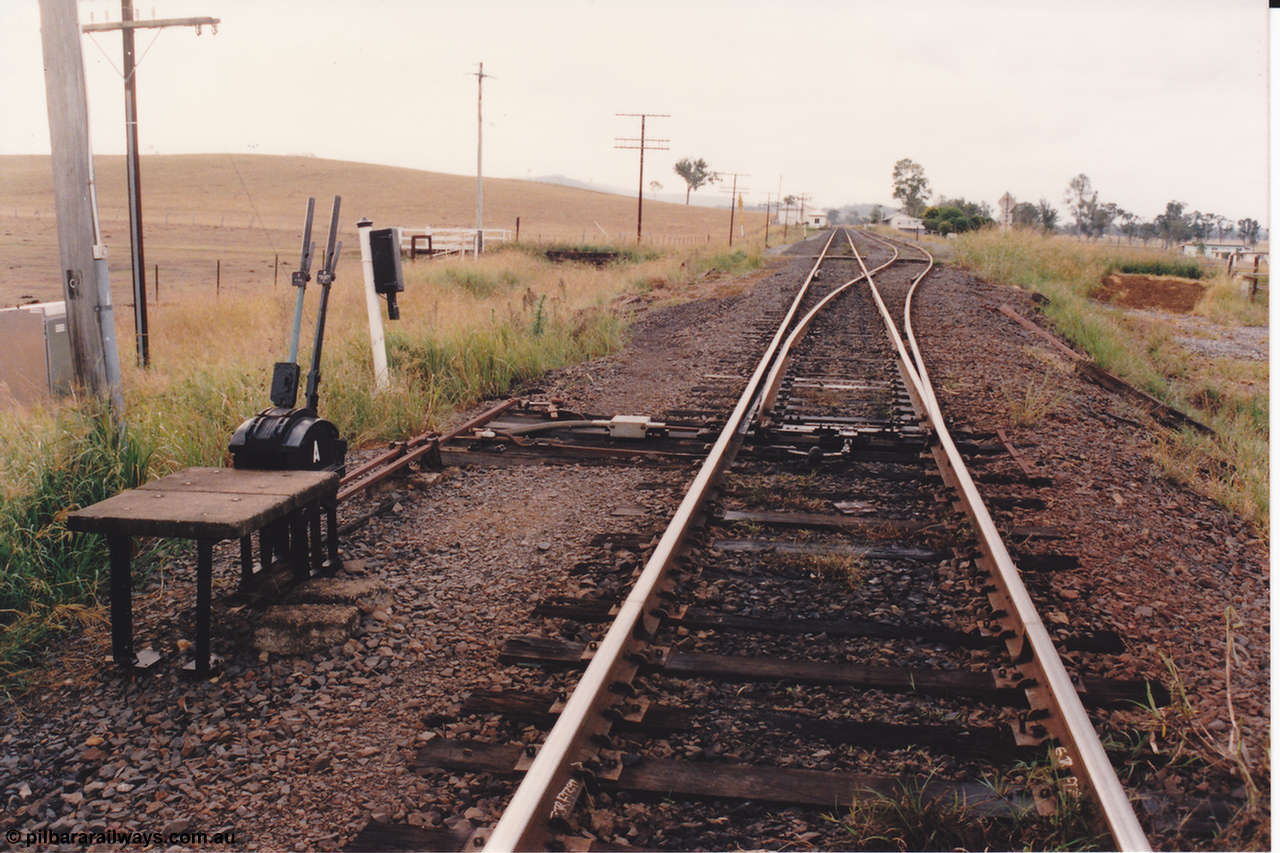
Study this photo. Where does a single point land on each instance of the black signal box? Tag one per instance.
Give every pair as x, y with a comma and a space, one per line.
388, 276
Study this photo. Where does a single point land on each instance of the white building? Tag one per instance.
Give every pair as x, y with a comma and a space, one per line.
1217, 248
903, 222
785, 215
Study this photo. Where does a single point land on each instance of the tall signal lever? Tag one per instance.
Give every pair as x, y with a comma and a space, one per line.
283, 437
284, 379
324, 278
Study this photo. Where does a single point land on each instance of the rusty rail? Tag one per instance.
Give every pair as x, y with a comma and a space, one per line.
404, 453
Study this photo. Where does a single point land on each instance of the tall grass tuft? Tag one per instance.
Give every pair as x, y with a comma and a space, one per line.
731, 262
43, 566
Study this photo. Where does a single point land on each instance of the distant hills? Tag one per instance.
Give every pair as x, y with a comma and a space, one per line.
234, 214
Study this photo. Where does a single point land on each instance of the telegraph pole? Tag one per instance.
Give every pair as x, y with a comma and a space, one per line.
768, 199
126, 26
804, 226
733, 197
479, 75
81, 253
642, 145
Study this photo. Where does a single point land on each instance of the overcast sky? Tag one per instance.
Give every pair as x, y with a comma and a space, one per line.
1153, 100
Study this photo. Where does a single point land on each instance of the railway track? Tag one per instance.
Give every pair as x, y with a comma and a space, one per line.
829, 625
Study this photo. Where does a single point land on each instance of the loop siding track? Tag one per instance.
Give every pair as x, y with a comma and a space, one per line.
786, 415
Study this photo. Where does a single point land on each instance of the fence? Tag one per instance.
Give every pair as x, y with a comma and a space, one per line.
430, 241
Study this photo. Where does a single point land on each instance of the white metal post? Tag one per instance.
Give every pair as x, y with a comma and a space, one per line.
376, 338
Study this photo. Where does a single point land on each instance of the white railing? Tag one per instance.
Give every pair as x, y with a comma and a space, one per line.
432, 240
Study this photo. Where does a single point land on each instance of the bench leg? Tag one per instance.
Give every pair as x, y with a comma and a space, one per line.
317, 545
331, 521
121, 549
246, 561
204, 604
264, 547
298, 551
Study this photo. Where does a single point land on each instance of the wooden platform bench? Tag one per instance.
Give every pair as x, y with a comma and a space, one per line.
210, 505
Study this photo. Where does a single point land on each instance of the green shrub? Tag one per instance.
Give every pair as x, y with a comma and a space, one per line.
1187, 269
731, 263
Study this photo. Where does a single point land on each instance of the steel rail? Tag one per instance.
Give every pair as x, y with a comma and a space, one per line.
523, 825
774, 382
1074, 729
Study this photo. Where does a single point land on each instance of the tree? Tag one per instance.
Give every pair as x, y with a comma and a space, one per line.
655, 186
1048, 215
1224, 227
1249, 230
1101, 217
833, 216
696, 173
1082, 201
1199, 225
1172, 225
1128, 224
957, 215
978, 212
1024, 215
877, 214
910, 186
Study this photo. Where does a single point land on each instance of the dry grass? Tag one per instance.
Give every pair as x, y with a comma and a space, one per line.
1228, 394
1176, 733
846, 569
1035, 401
1226, 302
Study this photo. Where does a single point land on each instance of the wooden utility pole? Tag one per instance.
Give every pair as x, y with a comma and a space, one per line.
641, 145
767, 200
82, 255
479, 75
804, 226
733, 197
126, 25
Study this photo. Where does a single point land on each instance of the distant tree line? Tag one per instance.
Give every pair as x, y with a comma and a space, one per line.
1091, 216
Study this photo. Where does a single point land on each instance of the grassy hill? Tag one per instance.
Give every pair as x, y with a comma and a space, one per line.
245, 209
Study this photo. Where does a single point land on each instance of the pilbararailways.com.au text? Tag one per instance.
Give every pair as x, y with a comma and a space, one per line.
117, 838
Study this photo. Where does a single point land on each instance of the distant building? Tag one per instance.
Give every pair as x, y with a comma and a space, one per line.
791, 216
903, 222
786, 215
1217, 249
